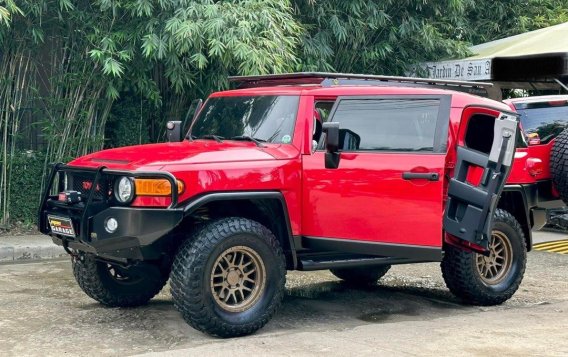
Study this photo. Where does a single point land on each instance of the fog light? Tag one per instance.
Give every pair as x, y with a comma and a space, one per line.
111, 225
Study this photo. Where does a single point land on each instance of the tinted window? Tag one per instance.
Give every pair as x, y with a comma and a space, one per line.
387, 124
266, 118
544, 119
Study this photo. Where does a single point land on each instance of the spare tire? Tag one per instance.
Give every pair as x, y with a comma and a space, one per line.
559, 164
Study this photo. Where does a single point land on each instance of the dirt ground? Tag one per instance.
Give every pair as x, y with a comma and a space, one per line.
410, 312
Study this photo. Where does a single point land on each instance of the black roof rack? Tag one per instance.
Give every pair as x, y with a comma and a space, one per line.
326, 79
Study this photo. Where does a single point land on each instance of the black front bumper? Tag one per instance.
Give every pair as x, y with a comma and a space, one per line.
141, 232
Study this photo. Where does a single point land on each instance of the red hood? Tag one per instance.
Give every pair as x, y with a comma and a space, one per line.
154, 156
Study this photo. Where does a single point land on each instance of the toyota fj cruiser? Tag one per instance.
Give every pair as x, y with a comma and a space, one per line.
304, 171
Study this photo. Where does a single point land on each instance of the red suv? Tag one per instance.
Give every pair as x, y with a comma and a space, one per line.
304, 171
541, 161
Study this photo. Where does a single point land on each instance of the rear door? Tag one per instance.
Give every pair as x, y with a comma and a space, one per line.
486, 144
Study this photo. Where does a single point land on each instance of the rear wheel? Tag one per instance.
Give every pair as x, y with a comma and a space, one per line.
116, 286
493, 279
228, 279
361, 276
559, 164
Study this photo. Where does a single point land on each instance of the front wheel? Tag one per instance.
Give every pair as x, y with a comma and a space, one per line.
228, 279
116, 286
493, 279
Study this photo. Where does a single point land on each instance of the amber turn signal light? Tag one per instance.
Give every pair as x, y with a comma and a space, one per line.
156, 187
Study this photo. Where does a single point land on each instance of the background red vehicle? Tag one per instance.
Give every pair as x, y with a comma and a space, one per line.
541, 159
301, 172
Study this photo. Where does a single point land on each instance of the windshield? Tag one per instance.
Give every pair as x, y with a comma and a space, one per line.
265, 118
545, 119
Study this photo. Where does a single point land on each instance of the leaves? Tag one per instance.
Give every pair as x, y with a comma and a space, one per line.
490, 20
7, 9
113, 67
245, 37
378, 37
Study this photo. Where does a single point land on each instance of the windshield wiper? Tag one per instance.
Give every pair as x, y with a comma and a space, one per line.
217, 138
258, 142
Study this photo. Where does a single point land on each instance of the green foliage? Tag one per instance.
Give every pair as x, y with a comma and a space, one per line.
7, 8
25, 185
181, 41
128, 123
386, 37
491, 20
380, 37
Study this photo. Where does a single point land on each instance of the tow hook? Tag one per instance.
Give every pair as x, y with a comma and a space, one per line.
76, 257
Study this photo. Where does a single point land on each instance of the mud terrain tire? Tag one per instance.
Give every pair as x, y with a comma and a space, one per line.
559, 164
361, 276
464, 278
115, 287
211, 267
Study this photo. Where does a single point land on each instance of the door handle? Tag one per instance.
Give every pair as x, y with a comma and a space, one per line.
430, 176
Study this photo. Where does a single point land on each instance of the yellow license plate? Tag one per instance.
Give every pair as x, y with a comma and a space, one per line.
61, 225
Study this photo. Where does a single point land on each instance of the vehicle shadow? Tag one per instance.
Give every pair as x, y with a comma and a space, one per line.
316, 305
325, 303
307, 306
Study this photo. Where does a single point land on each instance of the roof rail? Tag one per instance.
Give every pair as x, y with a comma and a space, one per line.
326, 79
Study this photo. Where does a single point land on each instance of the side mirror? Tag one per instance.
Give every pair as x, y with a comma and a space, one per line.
332, 156
173, 130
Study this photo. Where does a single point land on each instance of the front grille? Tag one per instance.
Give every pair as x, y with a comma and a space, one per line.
83, 183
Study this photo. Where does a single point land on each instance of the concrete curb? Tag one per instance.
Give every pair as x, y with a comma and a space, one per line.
28, 248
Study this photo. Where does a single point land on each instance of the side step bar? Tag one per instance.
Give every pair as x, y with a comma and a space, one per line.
311, 263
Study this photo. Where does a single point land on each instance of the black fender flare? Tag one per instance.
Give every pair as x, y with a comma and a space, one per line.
191, 206
522, 210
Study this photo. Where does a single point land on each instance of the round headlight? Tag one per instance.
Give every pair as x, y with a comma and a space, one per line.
124, 190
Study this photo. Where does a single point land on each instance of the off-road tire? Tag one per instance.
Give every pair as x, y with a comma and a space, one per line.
462, 277
191, 277
361, 276
559, 164
96, 280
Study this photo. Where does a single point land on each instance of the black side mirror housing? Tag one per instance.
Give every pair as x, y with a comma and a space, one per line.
332, 156
173, 131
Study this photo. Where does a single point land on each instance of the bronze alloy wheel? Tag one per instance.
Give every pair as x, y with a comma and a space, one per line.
494, 268
228, 278
238, 279
490, 280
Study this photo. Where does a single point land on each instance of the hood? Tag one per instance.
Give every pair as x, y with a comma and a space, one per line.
154, 156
